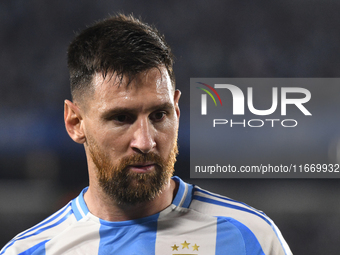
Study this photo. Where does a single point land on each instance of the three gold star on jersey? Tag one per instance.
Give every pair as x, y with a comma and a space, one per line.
185, 245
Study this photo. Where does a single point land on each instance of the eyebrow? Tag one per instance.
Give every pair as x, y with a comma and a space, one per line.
133, 110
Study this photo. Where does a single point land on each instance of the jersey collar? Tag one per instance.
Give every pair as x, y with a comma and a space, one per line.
79, 206
182, 199
184, 194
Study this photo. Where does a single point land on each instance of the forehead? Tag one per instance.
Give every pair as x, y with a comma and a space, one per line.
151, 86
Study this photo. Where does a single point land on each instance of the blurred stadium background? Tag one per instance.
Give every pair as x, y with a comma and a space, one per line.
41, 169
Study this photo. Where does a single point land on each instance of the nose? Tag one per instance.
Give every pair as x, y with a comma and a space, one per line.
143, 137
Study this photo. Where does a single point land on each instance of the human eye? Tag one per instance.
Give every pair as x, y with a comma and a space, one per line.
158, 116
122, 119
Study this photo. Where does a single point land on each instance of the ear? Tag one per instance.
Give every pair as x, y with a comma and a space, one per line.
73, 122
177, 95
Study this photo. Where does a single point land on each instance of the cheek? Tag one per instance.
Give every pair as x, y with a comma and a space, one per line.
107, 139
165, 140
114, 143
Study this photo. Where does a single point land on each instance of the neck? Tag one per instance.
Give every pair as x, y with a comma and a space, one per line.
106, 208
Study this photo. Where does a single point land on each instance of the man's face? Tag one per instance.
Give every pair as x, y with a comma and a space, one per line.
131, 135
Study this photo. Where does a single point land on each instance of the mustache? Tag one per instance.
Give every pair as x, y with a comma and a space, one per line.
139, 159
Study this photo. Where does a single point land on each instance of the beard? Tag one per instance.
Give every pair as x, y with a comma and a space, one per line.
127, 187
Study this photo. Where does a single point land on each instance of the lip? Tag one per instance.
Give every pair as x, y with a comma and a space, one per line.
142, 167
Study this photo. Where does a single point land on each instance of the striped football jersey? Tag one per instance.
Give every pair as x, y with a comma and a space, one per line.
197, 222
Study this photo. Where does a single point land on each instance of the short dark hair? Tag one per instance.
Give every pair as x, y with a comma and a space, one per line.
121, 45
